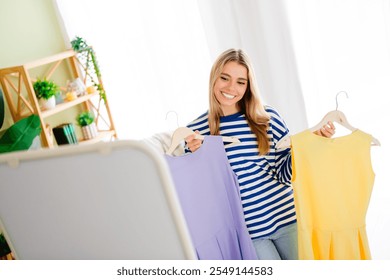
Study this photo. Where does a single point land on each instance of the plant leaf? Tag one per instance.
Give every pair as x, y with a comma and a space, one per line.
20, 135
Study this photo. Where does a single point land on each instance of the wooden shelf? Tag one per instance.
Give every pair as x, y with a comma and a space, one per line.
67, 104
50, 59
17, 85
100, 137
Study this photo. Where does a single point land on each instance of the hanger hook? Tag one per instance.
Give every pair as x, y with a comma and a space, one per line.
176, 114
337, 95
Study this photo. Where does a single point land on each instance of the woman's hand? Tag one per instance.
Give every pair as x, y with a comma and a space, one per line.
192, 143
327, 130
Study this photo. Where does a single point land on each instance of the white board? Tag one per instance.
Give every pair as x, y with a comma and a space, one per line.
111, 200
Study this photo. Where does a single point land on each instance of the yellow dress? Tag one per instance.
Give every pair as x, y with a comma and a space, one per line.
332, 180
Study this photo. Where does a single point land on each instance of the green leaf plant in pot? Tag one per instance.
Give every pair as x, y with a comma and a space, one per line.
89, 62
86, 120
45, 91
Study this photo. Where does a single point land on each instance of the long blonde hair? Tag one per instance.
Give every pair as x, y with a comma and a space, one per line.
250, 104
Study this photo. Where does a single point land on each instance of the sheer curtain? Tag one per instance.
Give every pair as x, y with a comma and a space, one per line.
156, 55
261, 29
153, 56
344, 45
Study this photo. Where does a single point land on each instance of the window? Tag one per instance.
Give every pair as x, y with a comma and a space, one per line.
153, 56
344, 46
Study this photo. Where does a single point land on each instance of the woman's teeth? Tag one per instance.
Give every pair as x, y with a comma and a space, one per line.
228, 96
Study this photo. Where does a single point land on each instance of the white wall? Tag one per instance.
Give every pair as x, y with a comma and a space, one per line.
29, 30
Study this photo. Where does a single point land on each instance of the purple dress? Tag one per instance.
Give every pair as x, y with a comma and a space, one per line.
209, 196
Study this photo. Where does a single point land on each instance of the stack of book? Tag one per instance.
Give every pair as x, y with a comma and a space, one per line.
65, 134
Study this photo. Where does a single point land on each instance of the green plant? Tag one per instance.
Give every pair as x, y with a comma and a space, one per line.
85, 118
88, 60
78, 44
20, 135
45, 89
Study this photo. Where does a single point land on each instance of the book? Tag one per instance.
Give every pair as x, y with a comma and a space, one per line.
68, 133
63, 134
73, 133
60, 135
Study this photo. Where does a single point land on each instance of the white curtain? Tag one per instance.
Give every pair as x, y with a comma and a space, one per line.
344, 45
156, 56
261, 29
153, 56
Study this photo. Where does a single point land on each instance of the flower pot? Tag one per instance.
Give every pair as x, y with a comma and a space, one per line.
47, 104
89, 131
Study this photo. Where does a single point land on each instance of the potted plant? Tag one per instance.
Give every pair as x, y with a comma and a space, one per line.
46, 91
86, 121
88, 58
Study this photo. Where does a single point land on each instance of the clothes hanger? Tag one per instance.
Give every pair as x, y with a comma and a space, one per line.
333, 116
182, 132
340, 118
176, 115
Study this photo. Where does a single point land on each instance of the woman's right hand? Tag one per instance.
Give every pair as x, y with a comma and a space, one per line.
192, 143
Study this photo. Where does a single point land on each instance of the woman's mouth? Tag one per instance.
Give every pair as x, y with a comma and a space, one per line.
228, 96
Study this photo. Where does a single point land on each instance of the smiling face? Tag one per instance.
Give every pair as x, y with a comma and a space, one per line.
230, 87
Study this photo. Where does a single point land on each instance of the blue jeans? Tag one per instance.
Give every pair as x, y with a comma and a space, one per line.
282, 245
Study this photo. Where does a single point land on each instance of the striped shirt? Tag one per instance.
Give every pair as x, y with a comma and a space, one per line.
264, 181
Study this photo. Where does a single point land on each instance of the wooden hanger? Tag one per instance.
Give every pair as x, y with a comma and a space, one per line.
340, 118
333, 116
182, 132
176, 116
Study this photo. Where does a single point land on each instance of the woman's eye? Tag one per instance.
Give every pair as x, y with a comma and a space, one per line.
224, 78
241, 83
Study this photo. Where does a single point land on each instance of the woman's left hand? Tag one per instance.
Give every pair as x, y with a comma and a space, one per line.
327, 130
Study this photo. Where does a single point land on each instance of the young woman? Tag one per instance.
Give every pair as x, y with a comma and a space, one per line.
264, 173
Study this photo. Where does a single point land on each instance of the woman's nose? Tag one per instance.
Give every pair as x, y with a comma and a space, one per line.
230, 86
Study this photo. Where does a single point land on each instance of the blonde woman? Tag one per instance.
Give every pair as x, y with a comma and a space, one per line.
264, 173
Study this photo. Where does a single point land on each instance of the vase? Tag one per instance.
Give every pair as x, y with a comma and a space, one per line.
48, 104
89, 131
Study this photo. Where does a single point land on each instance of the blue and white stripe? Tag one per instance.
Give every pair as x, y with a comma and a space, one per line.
265, 181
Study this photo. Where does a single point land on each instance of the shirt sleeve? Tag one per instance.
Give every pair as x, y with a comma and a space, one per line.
279, 131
